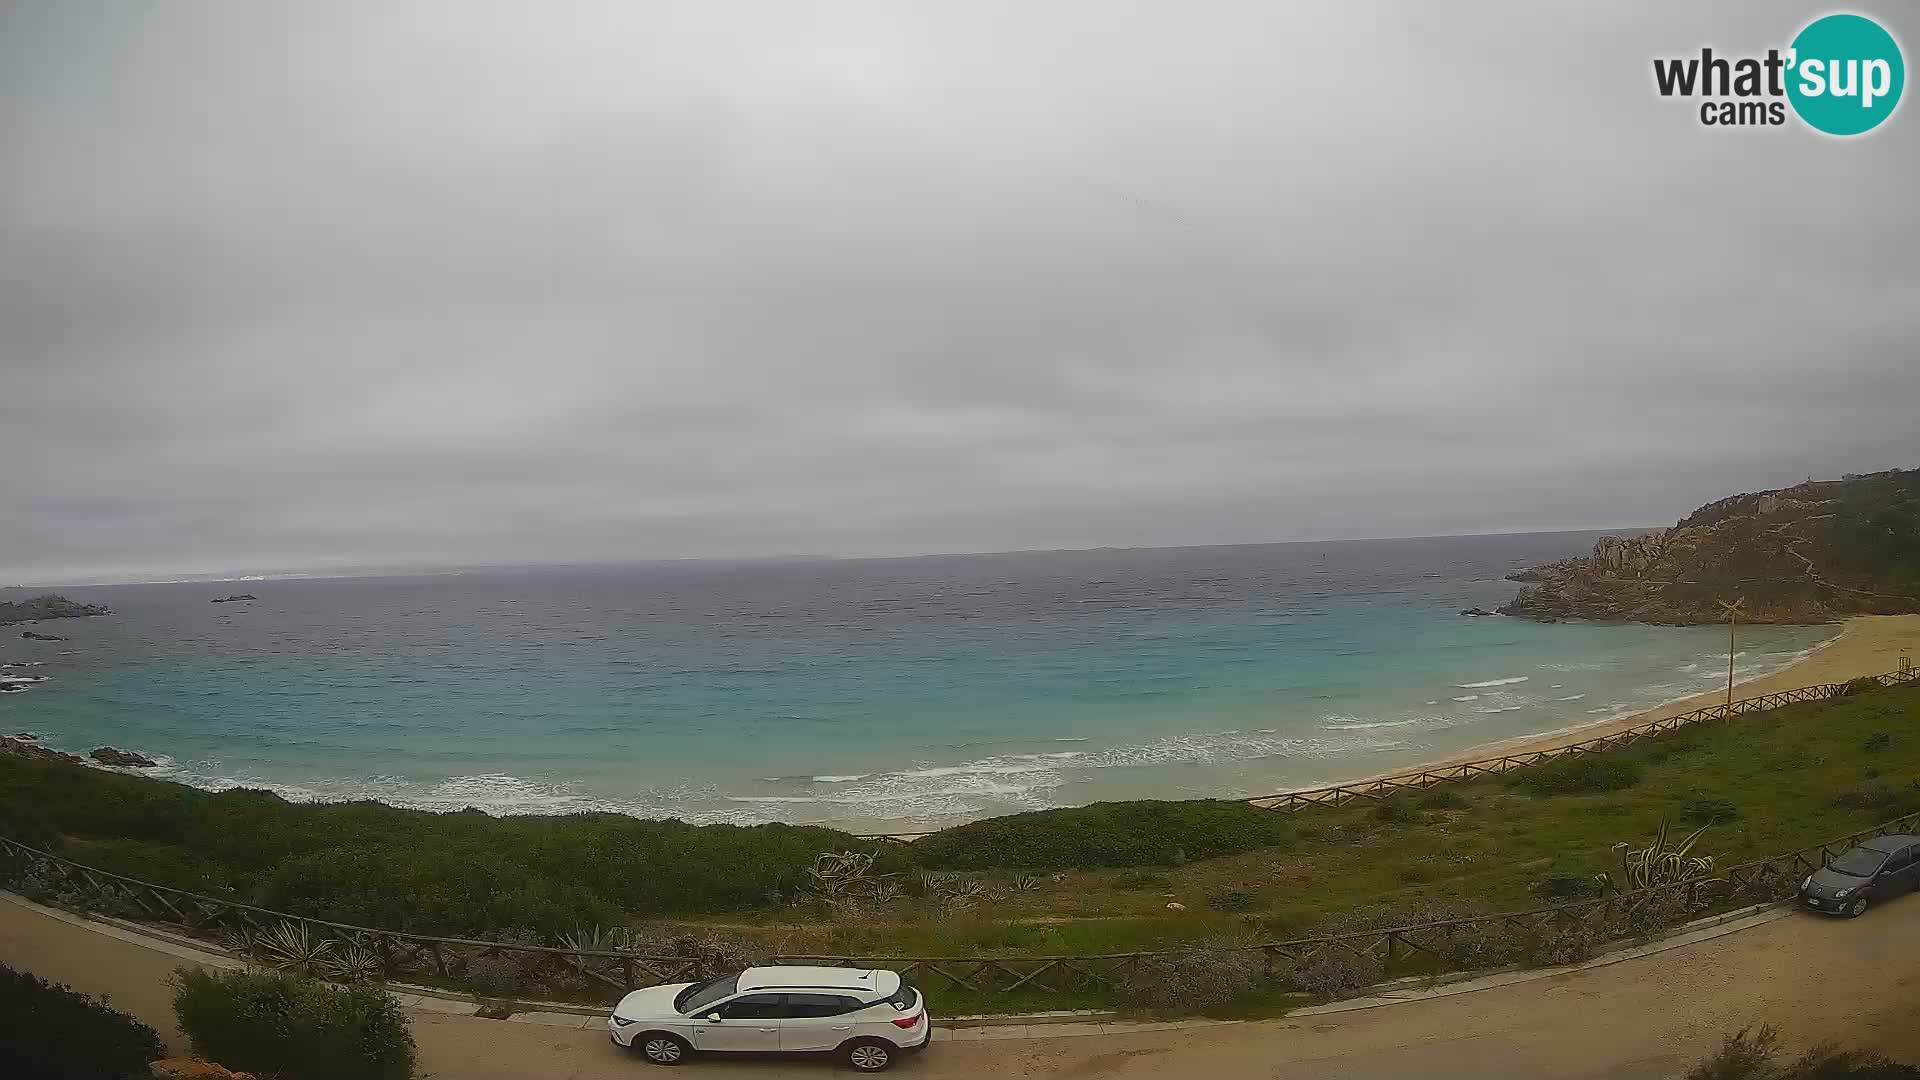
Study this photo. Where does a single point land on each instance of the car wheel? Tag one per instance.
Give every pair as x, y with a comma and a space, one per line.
869, 1055
661, 1048
1857, 908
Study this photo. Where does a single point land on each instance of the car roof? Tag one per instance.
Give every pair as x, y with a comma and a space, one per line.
873, 981
1890, 843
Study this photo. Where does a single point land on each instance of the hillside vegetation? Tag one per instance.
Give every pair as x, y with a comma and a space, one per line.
1811, 553
1099, 878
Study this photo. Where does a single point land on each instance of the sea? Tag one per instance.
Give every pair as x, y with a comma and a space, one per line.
880, 695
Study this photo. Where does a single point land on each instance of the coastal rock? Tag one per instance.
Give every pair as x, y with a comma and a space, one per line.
1812, 553
28, 748
31, 636
236, 598
1477, 612
126, 759
50, 606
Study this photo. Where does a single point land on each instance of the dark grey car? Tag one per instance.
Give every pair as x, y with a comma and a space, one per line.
1879, 869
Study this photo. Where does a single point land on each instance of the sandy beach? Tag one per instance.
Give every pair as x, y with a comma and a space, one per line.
1865, 645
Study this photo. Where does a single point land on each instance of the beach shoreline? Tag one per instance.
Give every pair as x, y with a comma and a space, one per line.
1866, 645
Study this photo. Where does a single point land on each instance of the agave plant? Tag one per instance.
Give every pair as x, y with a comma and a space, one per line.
934, 883
292, 946
967, 893
1028, 883
353, 962
1659, 863
596, 939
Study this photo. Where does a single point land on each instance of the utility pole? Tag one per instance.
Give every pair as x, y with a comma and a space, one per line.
1733, 611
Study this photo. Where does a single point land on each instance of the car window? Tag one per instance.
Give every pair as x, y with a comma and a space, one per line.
752, 1007
820, 1005
1901, 860
696, 999
1860, 862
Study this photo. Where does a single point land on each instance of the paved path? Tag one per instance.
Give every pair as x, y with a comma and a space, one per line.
1639, 1019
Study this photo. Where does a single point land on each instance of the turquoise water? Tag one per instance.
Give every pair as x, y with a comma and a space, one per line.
871, 693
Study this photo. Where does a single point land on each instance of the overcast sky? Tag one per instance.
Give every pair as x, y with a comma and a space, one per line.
322, 285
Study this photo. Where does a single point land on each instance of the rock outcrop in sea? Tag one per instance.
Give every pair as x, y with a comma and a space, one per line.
1812, 553
49, 606
26, 746
126, 759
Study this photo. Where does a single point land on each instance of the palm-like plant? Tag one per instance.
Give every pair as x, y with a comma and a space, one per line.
1659, 863
292, 946
353, 962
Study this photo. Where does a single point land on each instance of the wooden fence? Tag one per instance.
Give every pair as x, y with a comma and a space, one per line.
570, 972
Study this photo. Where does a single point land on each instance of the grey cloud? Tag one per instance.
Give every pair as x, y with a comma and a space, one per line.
376, 283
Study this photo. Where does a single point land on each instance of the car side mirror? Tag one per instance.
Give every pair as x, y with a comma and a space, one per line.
713, 1018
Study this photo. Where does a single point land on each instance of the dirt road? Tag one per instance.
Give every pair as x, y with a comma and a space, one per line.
1647, 1018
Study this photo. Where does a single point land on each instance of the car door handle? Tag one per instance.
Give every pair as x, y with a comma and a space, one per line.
769, 1029
843, 1027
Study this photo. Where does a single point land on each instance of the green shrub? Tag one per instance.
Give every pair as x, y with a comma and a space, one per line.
1743, 1056
1563, 887
1194, 978
1571, 943
1415, 873
1475, 945
50, 1030
1878, 741
494, 976
1232, 901
1755, 1055
1865, 684
1107, 834
294, 1028
1337, 973
1398, 810
1579, 774
1880, 798
1708, 809
1142, 879
1443, 797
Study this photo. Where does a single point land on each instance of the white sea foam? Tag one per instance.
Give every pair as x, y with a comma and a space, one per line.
1570, 697
1469, 697
1348, 723
1501, 709
1493, 682
833, 779
23, 679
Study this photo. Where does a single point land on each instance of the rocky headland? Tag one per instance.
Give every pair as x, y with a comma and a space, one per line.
1812, 553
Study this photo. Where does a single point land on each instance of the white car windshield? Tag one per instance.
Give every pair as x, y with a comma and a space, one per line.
696, 998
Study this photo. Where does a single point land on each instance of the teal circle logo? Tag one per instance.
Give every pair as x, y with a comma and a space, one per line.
1846, 74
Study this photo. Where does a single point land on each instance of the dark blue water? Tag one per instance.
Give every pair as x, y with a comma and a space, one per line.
871, 693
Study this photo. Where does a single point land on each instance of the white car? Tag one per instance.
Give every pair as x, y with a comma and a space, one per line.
868, 1017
